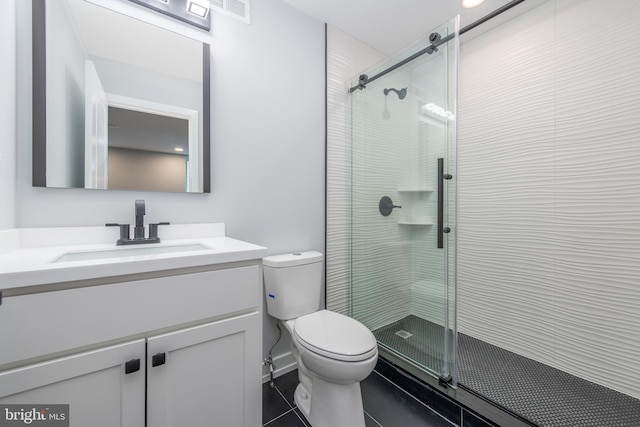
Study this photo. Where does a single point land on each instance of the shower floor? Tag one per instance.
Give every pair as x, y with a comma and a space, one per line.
544, 395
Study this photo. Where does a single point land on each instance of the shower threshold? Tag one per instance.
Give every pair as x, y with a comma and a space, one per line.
545, 396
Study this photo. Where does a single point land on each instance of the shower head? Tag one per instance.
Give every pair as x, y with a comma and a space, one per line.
401, 93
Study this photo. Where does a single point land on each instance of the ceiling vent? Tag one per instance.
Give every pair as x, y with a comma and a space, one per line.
238, 9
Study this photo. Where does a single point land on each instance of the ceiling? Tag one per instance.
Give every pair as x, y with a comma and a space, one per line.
391, 25
137, 130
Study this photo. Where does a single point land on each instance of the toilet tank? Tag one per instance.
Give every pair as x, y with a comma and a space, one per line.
293, 284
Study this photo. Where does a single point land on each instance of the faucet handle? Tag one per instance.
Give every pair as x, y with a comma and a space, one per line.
124, 231
153, 230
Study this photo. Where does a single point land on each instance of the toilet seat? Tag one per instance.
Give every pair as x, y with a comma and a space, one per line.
335, 336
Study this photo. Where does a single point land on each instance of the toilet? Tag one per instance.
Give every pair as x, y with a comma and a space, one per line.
334, 352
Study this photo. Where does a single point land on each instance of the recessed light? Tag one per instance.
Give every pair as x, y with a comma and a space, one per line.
198, 7
468, 4
179, 149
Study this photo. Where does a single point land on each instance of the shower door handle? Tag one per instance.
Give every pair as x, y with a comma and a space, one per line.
441, 228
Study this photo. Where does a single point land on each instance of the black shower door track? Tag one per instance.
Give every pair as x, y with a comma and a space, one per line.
364, 79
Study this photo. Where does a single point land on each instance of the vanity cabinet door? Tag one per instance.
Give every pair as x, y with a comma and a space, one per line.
94, 384
208, 375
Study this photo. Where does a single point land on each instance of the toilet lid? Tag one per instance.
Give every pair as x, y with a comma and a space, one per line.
335, 336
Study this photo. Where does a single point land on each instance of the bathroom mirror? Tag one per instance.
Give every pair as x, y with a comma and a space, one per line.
118, 103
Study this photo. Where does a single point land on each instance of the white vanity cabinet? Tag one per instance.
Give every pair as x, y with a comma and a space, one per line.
200, 375
197, 333
94, 385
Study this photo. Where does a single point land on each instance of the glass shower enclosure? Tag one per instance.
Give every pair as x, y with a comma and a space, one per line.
403, 203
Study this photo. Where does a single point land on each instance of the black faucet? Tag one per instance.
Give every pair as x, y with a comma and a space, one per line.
138, 231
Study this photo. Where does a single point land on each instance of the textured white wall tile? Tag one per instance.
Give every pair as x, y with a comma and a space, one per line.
345, 57
506, 186
550, 239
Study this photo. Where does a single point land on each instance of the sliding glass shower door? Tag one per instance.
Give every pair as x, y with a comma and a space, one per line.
403, 203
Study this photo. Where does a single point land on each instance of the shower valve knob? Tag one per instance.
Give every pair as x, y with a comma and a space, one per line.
386, 206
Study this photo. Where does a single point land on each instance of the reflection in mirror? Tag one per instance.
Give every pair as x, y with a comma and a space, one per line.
143, 144
126, 102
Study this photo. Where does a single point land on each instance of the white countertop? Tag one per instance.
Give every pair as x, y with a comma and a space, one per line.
27, 255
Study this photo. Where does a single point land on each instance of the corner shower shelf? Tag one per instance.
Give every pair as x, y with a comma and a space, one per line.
415, 190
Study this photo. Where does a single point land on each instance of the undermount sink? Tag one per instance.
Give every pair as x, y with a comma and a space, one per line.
128, 252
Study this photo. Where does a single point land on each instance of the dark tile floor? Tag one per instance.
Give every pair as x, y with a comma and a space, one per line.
539, 393
385, 405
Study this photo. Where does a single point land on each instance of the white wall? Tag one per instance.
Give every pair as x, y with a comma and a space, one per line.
269, 131
148, 170
7, 115
267, 138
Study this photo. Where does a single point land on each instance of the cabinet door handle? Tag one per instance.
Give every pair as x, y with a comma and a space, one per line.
158, 359
132, 366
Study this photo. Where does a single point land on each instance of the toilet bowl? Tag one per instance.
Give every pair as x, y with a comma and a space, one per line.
335, 347
333, 352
